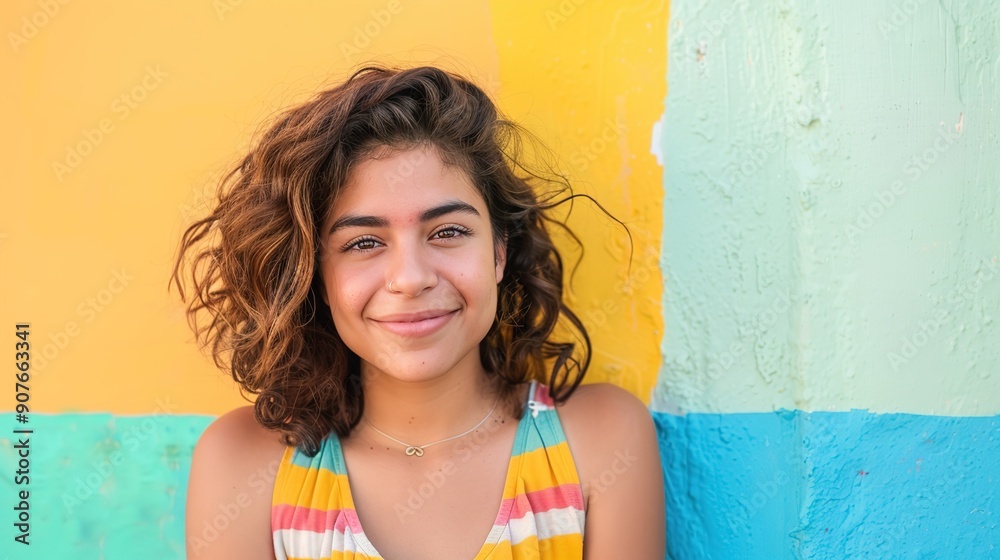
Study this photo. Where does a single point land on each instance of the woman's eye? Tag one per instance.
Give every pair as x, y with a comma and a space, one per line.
451, 232
362, 245
366, 244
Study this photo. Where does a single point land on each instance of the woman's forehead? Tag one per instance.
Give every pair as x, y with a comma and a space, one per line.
405, 184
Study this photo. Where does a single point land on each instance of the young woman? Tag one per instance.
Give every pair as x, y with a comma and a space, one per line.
379, 272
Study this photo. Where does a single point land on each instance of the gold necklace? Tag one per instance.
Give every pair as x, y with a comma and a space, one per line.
418, 450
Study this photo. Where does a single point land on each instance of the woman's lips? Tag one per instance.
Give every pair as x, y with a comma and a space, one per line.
415, 328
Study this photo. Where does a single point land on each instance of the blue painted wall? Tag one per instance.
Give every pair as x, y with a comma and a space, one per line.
831, 485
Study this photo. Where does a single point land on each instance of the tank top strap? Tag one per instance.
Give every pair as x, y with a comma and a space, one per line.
547, 432
543, 411
549, 514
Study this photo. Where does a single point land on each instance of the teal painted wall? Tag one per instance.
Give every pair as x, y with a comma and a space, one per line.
101, 485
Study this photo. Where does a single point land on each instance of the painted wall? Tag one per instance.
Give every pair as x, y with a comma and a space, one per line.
120, 118
810, 311
829, 386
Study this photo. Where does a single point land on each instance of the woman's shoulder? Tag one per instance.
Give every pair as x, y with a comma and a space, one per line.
238, 437
240, 422
231, 482
603, 422
236, 442
603, 405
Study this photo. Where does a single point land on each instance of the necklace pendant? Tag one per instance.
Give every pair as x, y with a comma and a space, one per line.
414, 450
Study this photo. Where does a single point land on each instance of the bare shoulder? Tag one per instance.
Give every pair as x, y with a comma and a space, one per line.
601, 400
613, 439
598, 417
228, 509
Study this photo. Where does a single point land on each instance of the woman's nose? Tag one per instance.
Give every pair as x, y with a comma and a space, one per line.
411, 271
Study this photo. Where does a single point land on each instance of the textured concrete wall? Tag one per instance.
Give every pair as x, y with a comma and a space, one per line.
830, 253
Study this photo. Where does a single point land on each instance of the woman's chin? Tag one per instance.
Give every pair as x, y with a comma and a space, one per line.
409, 373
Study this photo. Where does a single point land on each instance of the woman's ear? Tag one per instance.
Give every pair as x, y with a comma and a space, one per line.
320, 287
500, 254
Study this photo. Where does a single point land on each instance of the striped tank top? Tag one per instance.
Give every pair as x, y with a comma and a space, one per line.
540, 517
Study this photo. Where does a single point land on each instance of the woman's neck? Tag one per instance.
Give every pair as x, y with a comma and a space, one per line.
422, 412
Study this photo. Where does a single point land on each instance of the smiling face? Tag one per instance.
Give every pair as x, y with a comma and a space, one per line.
410, 222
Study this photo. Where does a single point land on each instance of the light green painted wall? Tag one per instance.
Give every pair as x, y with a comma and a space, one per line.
831, 177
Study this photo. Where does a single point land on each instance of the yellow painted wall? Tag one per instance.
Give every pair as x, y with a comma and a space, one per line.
120, 116
590, 78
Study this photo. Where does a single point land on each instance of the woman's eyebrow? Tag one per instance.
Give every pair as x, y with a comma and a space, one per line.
353, 220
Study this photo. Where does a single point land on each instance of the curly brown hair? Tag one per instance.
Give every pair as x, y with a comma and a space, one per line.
254, 260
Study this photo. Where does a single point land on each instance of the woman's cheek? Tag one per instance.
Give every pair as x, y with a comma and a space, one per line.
354, 288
